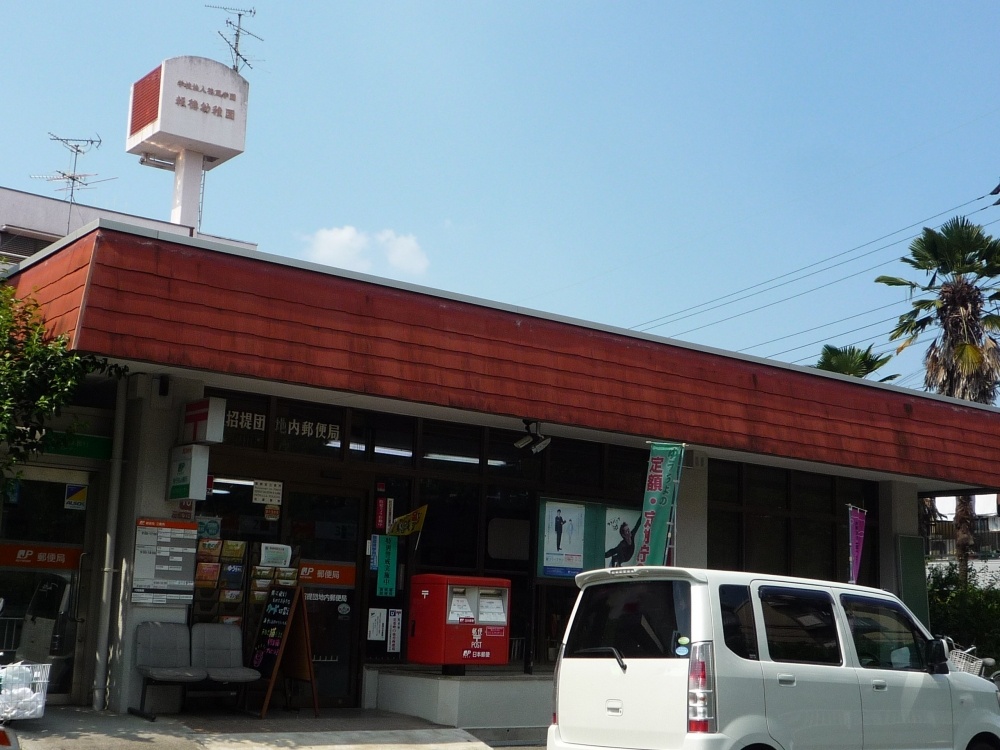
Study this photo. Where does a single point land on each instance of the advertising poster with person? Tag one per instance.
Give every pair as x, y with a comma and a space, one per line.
621, 526
563, 542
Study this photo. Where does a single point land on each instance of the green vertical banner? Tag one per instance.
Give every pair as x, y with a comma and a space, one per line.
662, 481
387, 552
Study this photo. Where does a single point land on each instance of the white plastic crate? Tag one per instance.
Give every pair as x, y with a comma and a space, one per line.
22, 690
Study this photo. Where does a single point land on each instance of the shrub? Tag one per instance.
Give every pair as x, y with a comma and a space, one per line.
969, 613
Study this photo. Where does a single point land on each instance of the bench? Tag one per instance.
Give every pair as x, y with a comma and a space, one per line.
170, 653
218, 649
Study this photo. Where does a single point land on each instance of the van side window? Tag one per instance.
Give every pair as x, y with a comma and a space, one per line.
800, 625
884, 634
738, 627
635, 619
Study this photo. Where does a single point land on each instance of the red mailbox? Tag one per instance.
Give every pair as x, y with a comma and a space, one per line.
459, 620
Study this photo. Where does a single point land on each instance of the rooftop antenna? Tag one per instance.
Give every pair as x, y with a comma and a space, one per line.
239, 60
73, 179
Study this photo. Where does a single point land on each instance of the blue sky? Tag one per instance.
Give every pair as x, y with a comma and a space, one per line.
628, 163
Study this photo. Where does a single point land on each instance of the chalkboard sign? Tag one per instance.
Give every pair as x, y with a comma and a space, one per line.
274, 619
282, 647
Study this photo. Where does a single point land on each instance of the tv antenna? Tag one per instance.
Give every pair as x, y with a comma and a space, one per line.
239, 60
74, 179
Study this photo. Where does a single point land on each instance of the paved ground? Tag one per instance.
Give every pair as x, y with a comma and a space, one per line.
75, 728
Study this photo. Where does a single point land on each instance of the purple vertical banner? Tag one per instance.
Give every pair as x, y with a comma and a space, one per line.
857, 534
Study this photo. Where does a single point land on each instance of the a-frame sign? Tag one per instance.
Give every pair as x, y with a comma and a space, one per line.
281, 648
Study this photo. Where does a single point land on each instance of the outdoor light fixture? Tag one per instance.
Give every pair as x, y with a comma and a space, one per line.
535, 439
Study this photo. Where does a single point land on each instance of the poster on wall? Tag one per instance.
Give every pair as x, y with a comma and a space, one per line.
620, 528
164, 561
562, 549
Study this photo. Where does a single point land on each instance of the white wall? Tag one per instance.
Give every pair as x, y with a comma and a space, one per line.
482, 701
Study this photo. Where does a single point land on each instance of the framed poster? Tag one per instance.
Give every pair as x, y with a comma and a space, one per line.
621, 526
562, 547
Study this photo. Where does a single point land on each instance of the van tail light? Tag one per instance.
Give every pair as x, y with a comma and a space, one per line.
701, 690
5, 738
555, 686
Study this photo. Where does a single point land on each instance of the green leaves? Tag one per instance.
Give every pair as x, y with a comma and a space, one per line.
850, 360
38, 377
896, 281
967, 611
962, 262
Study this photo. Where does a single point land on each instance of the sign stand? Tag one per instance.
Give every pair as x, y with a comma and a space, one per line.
281, 648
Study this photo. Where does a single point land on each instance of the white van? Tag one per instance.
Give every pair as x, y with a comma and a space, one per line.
672, 658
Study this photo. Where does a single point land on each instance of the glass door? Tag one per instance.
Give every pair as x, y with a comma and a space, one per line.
323, 529
43, 522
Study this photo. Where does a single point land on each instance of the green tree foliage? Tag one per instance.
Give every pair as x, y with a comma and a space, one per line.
38, 377
850, 360
959, 301
966, 611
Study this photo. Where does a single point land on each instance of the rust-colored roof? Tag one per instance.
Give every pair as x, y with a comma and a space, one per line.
127, 296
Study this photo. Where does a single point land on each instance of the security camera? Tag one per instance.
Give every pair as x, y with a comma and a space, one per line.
523, 442
541, 445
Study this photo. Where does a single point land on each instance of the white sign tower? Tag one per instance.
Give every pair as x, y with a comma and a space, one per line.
189, 115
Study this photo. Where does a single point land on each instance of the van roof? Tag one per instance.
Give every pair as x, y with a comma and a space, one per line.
704, 575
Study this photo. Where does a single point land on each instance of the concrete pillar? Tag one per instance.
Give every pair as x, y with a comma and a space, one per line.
897, 514
692, 513
154, 413
187, 188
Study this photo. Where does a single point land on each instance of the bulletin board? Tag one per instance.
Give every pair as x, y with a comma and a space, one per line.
164, 561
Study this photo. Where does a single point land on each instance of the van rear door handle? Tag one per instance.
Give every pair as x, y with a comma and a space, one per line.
879, 685
786, 679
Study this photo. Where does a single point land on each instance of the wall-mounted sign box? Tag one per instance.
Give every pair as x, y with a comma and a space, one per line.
188, 478
204, 421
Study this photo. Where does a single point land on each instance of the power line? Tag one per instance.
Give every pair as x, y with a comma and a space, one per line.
801, 294
679, 317
783, 299
711, 304
816, 328
826, 339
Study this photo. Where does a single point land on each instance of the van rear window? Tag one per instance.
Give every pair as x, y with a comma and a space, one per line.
638, 619
738, 628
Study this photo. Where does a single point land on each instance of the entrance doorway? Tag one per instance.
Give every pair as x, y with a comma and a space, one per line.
324, 528
43, 527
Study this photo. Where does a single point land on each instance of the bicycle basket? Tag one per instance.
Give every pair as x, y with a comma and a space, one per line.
966, 662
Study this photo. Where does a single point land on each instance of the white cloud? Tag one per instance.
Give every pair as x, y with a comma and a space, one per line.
403, 252
357, 250
344, 247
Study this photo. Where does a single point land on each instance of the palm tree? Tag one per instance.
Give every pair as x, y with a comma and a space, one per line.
850, 360
961, 298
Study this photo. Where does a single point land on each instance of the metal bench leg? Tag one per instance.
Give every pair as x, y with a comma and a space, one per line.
141, 711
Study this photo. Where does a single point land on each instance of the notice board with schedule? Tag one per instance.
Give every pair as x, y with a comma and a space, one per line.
164, 561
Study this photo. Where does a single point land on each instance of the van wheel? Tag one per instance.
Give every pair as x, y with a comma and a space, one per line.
981, 745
